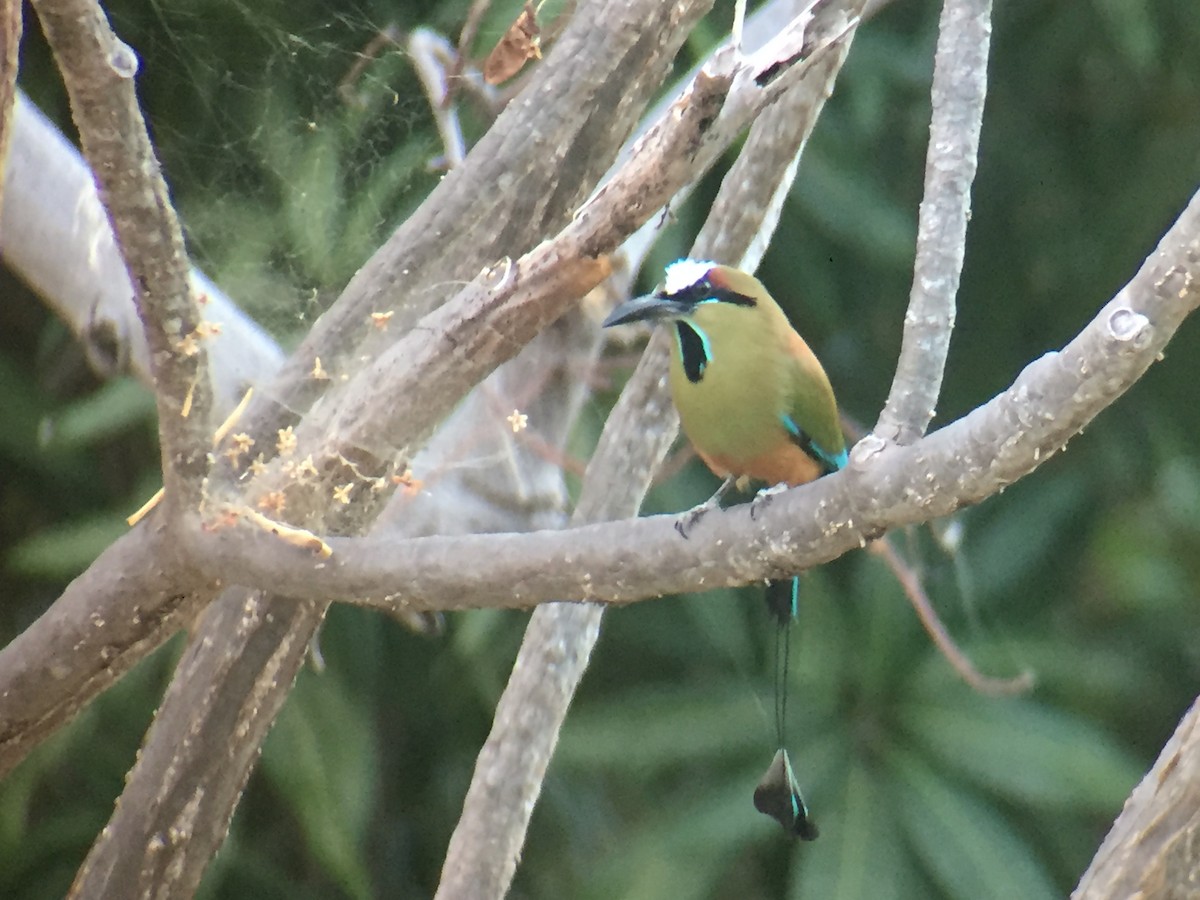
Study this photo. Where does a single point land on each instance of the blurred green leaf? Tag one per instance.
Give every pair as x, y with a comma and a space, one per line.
22, 409
706, 823
860, 854
848, 205
1131, 29
63, 551
966, 845
322, 759
655, 729
1034, 756
313, 207
1022, 531
114, 407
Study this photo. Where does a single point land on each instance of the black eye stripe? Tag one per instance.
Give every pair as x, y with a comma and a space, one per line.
703, 291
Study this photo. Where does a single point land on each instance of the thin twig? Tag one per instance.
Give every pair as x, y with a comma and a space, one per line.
431, 54
936, 629
387, 36
466, 38
959, 89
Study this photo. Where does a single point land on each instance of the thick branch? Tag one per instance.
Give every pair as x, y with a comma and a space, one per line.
180, 810
98, 70
130, 600
1151, 851
885, 486
959, 89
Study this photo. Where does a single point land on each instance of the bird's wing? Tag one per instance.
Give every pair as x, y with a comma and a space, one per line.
812, 418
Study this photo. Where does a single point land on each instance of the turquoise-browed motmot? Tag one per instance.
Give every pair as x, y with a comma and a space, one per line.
756, 405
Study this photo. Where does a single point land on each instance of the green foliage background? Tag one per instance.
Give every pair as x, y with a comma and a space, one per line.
1085, 573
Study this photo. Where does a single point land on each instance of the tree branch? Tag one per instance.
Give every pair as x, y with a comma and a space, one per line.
612, 56
56, 236
1151, 850
959, 89
219, 706
885, 486
746, 210
98, 69
10, 41
129, 601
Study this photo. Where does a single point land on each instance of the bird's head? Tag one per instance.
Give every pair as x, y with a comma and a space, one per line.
690, 285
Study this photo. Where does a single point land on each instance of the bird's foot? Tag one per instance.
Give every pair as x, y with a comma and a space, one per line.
687, 521
764, 497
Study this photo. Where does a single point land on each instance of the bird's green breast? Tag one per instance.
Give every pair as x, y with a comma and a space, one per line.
736, 406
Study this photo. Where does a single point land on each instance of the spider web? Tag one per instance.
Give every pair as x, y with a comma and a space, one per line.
295, 138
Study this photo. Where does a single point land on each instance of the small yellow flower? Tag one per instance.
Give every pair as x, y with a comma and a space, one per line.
518, 420
286, 444
380, 319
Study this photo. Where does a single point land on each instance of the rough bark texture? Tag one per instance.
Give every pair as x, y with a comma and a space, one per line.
99, 69
1152, 851
959, 89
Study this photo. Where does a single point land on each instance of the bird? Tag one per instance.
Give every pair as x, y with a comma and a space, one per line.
757, 405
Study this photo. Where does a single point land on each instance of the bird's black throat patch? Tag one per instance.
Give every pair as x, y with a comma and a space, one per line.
693, 350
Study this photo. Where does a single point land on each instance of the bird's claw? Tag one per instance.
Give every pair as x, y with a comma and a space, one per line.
764, 497
687, 520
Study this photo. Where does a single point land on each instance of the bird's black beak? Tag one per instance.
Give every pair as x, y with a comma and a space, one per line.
652, 307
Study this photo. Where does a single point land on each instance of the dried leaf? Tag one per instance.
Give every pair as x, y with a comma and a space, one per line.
518, 46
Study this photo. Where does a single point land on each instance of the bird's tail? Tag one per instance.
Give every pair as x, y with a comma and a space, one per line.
778, 793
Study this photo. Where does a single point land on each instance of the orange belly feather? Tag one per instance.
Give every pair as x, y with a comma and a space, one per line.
786, 463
